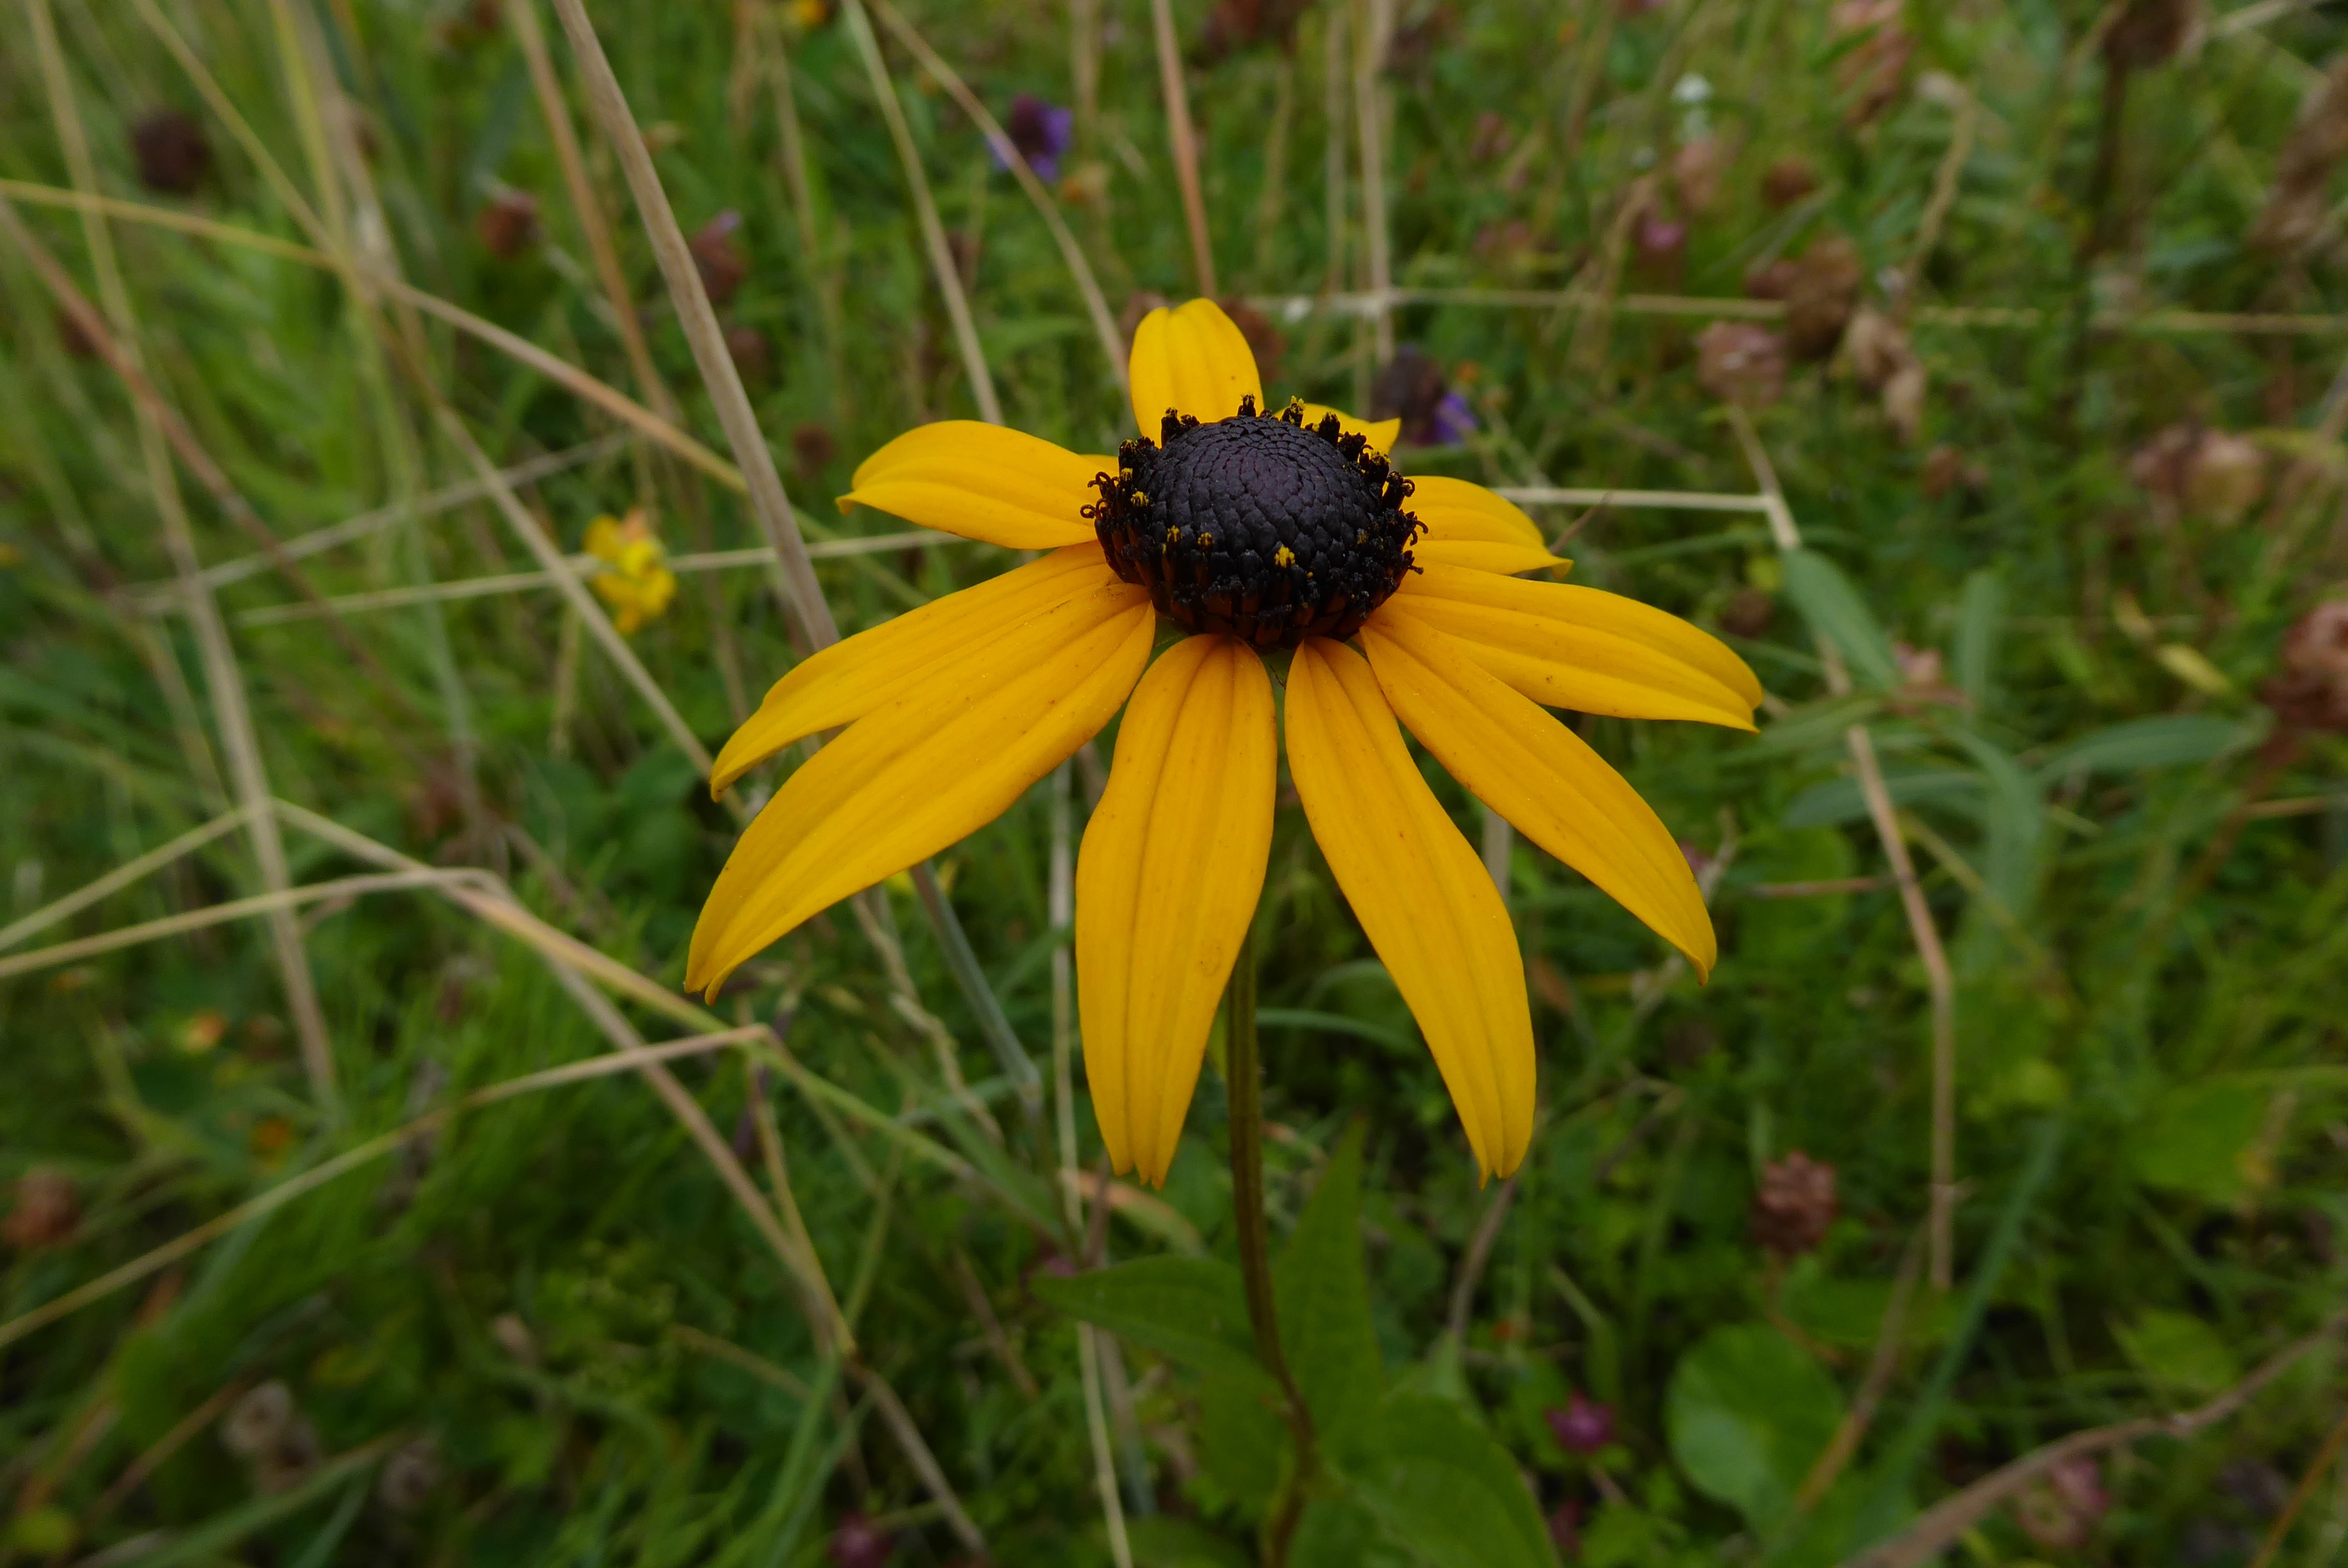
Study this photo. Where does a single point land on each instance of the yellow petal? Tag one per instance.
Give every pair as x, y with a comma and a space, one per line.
1420, 893
1482, 554
1381, 433
1168, 879
929, 767
1194, 360
850, 679
1455, 510
1532, 770
982, 482
1583, 649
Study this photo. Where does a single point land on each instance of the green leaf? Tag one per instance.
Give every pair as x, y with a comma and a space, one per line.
2197, 1135
1242, 1440
1836, 613
2015, 816
1747, 1413
1339, 1532
1189, 1309
2177, 1351
1981, 619
1438, 1484
1160, 1541
1321, 1288
2170, 739
1839, 801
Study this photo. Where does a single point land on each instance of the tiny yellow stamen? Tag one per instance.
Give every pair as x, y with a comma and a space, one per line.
1283, 556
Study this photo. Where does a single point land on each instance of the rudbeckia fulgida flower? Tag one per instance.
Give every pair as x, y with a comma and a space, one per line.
1253, 529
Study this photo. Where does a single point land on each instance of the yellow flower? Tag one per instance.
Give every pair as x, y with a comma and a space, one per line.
1253, 530
637, 586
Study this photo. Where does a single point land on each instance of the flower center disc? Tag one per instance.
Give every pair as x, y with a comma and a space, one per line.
1260, 525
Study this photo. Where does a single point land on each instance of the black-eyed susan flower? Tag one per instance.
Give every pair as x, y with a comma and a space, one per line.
635, 582
1251, 530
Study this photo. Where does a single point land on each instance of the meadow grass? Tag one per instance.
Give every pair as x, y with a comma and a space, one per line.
367, 1084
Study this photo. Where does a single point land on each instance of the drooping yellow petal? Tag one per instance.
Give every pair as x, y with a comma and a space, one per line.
1381, 434
928, 767
1528, 767
1582, 648
982, 482
850, 679
1192, 359
1168, 879
1422, 895
1464, 525
1482, 554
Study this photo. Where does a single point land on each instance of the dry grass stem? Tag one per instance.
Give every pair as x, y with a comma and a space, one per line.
1183, 138
1942, 1525
317, 1176
944, 270
1079, 270
1890, 1340
1940, 980
585, 566
123, 875
1376, 21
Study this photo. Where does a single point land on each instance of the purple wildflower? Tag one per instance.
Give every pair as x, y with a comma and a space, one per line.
1041, 132
1583, 1426
1452, 420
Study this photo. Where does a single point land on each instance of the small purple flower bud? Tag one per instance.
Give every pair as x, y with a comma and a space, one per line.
1041, 132
858, 1542
1583, 1426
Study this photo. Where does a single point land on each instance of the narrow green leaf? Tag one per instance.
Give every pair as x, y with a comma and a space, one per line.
1981, 621
1836, 613
1190, 1310
1321, 1288
2168, 740
1438, 1484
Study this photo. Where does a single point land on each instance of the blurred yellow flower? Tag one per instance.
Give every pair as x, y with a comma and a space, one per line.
809, 15
638, 585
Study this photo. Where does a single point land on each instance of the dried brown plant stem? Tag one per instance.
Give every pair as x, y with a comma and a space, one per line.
816, 249
947, 275
1376, 35
1942, 1525
801, 594
569, 581
1332, 153
1079, 270
596, 228
319, 1176
1060, 901
1940, 980
1183, 141
223, 680
1963, 114
2279, 1530
1479, 1257
1890, 1340
123, 875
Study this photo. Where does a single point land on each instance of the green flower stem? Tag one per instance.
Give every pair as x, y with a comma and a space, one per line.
1243, 1079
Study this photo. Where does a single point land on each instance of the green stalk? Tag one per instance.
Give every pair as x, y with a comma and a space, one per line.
1243, 1079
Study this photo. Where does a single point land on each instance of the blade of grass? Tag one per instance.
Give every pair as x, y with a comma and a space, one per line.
222, 679
1939, 980
1007, 151
925, 211
310, 1180
1183, 138
123, 875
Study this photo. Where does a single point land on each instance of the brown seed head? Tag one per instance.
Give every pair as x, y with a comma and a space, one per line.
172, 151
507, 224
1741, 362
2148, 32
2308, 690
1795, 1203
47, 1210
1821, 291
718, 256
1786, 181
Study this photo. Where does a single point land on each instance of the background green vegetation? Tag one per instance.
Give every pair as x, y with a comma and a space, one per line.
547, 1333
